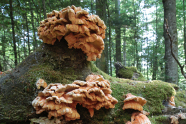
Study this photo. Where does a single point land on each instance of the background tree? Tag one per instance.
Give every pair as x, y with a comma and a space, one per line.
101, 12
118, 30
171, 67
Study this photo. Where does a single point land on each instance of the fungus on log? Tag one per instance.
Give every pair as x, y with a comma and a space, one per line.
134, 102
139, 118
80, 30
41, 83
61, 100
171, 101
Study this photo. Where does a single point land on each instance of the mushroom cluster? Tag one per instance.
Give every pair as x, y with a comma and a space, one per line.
139, 118
171, 101
80, 30
41, 83
61, 100
136, 103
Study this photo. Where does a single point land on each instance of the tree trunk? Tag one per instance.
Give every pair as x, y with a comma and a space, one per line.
147, 58
28, 36
18, 50
13, 33
184, 30
24, 45
118, 30
171, 67
100, 11
124, 48
155, 61
33, 27
92, 7
44, 9
1, 68
54, 63
39, 5
109, 42
3, 51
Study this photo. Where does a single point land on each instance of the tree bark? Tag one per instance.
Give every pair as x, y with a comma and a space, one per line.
124, 49
171, 67
100, 11
155, 61
33, 27
118, 31
3, 51
184, 30
28, 36
109, 42
13, 33
44, 9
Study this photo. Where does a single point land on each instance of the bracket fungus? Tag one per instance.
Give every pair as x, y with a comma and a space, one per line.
171, 101
80, 30
139, 118
61, 100
41, 83
134, 102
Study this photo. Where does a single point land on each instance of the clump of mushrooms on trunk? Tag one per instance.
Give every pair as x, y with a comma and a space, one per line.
61, 100
80, 30
136, 103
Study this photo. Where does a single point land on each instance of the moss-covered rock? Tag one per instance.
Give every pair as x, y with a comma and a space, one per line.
131, 73
128, 72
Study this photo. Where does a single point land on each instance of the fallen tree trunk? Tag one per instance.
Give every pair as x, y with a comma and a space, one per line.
58, 64
53, 63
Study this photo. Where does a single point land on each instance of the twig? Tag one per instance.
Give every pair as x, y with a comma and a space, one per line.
181, 67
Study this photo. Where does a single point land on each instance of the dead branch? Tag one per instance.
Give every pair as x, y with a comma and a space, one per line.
171, 40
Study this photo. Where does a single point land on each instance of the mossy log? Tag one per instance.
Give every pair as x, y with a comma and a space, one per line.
58, 64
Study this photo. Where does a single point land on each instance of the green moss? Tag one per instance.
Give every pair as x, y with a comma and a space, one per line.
50, 75
158, 119
155, 92
128, 73
180, 98
96, 70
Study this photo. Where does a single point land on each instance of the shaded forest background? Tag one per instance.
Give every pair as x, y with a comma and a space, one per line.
134, 34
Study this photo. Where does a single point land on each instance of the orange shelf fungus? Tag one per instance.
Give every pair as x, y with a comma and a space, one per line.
80, 30
139, 118
61, 100
134, 102
41, 83
171, 101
